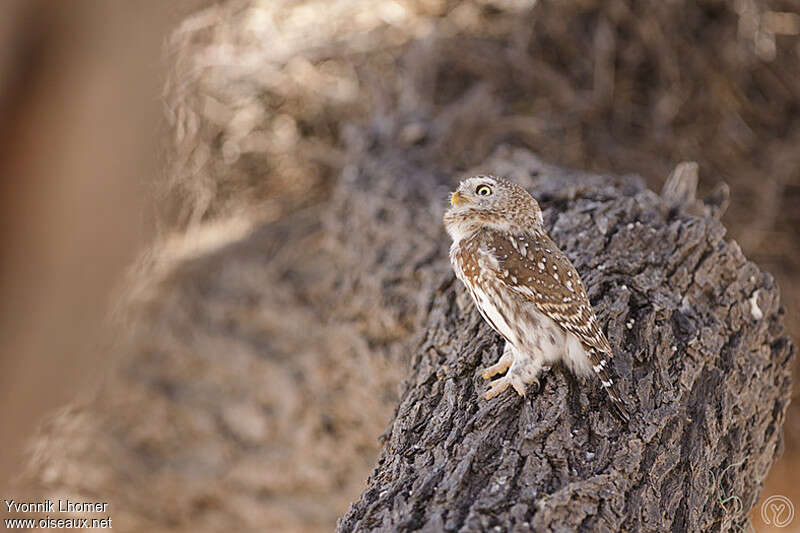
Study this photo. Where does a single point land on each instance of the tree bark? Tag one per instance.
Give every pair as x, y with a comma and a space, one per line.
700, 353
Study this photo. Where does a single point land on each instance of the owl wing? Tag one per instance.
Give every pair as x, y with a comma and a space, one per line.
531, 266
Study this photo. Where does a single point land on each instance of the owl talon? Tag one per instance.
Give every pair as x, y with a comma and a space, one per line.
500, 366
497, 368
496, 387
499, 386
519, 386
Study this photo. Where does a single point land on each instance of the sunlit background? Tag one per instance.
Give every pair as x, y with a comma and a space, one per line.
143, 143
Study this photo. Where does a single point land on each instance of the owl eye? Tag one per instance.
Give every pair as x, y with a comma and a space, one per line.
483, 190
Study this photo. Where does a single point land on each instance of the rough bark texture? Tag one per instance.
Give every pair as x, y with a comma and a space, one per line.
701, 356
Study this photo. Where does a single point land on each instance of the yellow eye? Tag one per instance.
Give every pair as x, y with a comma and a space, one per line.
483, 190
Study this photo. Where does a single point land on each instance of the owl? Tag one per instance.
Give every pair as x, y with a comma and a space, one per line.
525, 288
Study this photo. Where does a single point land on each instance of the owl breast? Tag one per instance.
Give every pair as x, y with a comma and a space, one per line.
528, 330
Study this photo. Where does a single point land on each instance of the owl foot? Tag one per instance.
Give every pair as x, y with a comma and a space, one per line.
499, 385
499, 367
524, 370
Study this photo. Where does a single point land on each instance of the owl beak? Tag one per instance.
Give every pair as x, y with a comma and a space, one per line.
456, 199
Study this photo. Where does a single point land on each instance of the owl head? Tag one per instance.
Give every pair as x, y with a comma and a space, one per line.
491, 202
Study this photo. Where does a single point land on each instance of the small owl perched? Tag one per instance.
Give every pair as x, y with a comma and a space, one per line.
524, 287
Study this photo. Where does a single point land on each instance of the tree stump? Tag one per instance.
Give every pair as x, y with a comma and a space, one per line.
701, 357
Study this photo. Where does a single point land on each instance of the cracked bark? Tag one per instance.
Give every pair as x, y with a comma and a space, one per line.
701, 355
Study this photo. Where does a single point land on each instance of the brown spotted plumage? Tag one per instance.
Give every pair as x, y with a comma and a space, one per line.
524, 287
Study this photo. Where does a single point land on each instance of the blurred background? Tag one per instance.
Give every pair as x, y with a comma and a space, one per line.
164, 165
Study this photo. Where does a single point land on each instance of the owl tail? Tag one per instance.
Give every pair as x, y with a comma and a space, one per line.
599, 364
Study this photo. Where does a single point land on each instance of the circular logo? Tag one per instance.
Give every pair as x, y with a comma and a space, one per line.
777, 511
